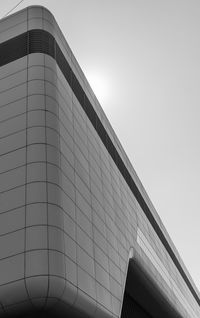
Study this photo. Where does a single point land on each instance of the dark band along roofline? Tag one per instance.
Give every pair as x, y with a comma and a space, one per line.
40, 41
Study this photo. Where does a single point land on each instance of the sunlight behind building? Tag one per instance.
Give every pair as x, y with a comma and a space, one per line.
100, 84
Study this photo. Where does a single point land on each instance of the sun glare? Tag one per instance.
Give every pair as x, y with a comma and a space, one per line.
100, 86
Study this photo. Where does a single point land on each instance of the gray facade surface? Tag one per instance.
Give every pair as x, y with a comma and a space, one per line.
79, 236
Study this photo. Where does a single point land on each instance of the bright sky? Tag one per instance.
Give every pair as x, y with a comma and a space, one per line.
143, 61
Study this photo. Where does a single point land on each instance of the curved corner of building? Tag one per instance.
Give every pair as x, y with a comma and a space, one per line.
76, 234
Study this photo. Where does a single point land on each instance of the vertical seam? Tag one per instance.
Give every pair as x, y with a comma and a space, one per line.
92, 218
45, 122
26, 160
60, 180
76, 240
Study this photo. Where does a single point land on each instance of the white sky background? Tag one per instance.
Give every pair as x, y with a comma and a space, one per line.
147, 55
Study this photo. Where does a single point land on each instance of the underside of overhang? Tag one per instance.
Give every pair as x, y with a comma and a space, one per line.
143, 298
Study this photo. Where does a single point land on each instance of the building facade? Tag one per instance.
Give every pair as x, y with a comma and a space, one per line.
79, 236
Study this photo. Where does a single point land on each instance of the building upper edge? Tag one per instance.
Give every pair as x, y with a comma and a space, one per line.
39, 12
111, 134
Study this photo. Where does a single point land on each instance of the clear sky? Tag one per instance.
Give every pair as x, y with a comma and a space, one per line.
142, 58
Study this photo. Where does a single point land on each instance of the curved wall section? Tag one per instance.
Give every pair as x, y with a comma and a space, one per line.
72, 206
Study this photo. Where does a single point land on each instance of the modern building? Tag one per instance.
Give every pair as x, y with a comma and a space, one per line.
79, 236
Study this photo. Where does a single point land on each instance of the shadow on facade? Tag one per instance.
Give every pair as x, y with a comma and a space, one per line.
142, 298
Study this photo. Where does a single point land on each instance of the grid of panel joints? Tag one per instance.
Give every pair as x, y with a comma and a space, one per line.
81, 134
85, 103
68, 139
13, 167
40, 175
108, 143
79, 139
12, 162
55, 184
